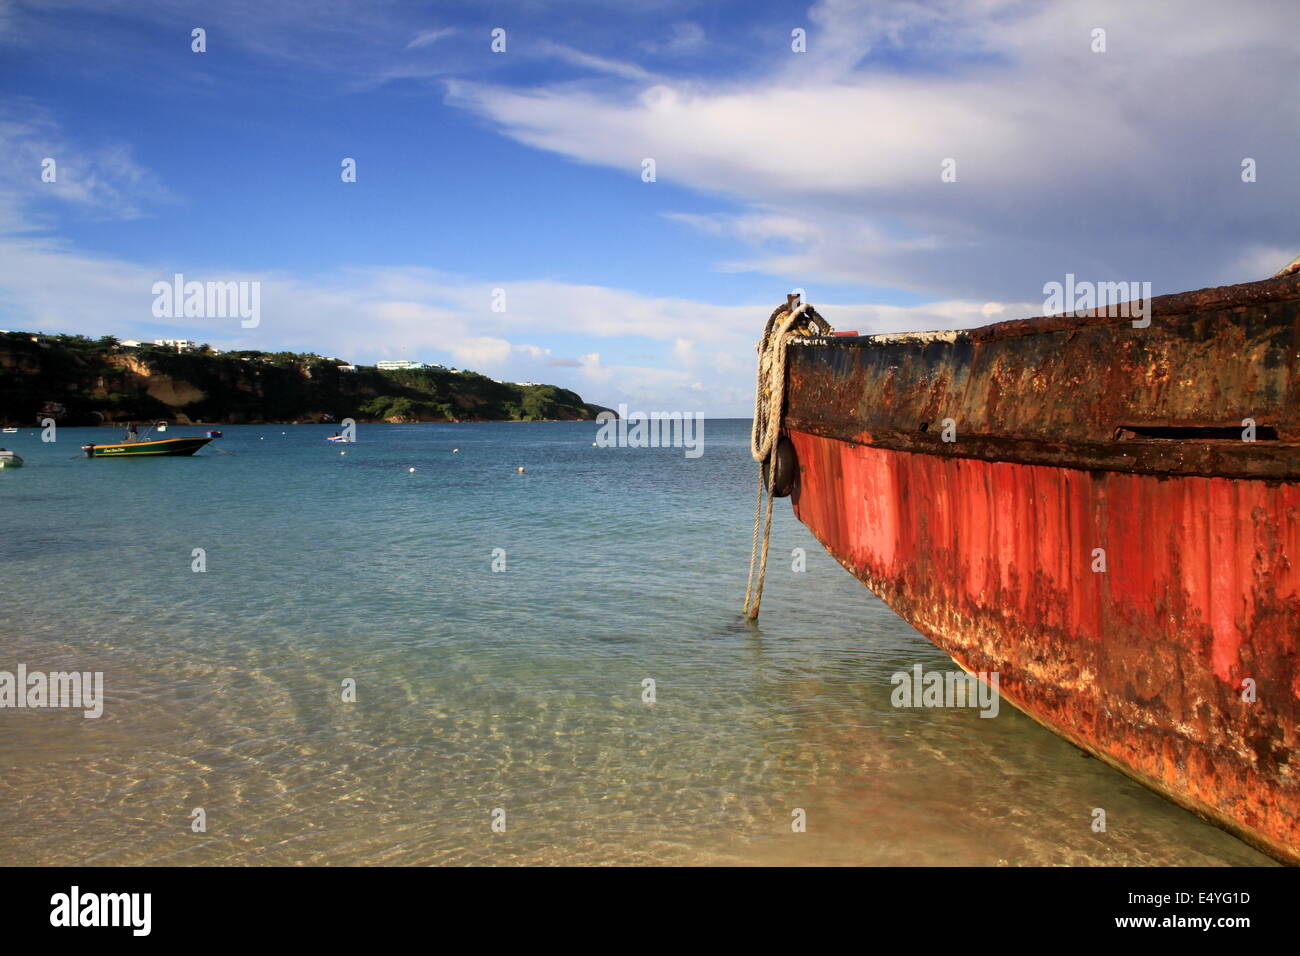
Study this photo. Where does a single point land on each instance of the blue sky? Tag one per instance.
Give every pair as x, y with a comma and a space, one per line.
522, 171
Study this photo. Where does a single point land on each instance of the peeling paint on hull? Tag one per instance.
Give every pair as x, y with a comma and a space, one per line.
1143, 664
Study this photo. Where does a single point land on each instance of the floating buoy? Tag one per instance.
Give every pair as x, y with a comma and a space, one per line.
593, 444
521, 469
410, 469
342, 453
455, 451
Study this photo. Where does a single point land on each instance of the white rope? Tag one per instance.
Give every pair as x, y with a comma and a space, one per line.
769, 403
1290, 268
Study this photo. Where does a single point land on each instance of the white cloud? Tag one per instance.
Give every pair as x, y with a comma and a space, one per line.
482, 353
427, 37
1123, 164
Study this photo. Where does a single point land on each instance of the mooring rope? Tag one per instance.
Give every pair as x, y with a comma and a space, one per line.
769, 402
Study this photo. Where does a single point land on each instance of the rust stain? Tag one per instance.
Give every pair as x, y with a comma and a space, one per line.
1073, 381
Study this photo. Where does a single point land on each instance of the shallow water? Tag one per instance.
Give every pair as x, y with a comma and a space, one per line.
477, 690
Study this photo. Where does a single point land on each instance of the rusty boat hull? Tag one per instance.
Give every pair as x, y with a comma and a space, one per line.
1070, 502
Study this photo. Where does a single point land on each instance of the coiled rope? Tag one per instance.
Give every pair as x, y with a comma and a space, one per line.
784, 324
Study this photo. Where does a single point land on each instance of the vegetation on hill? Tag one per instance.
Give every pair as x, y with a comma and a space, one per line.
82, 381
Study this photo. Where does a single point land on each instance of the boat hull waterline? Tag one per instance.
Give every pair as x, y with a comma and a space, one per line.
166, 447
1131, 576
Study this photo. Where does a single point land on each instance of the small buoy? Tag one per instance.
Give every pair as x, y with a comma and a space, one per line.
342, 453
521, 469
593, 444
410, 469
455, 451
262, 438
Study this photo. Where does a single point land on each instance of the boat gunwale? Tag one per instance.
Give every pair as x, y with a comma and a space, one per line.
153, 441
1212, 298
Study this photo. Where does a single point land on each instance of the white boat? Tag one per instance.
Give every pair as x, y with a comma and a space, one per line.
10, 459
9, 431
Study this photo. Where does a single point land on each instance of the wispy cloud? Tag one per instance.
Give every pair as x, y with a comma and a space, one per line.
101, 180
686, 37
428, 37
589, 61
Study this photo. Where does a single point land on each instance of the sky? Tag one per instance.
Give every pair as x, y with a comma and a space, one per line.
908, 165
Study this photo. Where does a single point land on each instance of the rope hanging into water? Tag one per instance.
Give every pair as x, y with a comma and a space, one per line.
785, 323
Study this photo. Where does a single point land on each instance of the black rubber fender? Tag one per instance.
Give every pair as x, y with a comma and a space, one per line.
787, 468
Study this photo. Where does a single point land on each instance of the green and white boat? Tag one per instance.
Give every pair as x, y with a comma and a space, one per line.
146, 448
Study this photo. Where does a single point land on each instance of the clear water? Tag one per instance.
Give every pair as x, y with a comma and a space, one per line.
476, 690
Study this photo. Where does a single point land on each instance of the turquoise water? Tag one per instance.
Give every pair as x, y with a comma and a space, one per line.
477, 690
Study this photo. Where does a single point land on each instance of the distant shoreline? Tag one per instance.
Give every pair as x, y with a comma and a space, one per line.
78, 381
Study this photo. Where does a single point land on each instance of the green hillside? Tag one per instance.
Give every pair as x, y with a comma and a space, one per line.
82, 381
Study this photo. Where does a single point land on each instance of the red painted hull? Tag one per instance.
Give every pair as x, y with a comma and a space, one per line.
988, 548
1142, 664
